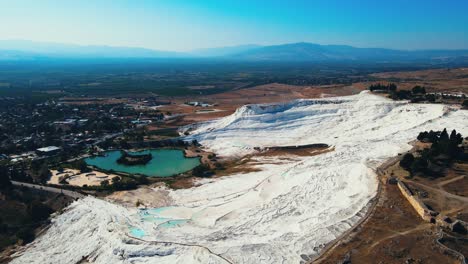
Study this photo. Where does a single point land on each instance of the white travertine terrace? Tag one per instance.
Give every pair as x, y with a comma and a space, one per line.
288, 209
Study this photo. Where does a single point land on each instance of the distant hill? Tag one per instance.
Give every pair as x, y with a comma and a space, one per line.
29, 50
322, 53
224, 51
305, 52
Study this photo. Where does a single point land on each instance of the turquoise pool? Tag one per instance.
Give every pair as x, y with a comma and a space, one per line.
136, 232
165, 163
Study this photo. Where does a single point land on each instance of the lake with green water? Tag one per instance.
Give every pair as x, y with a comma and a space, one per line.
165, 162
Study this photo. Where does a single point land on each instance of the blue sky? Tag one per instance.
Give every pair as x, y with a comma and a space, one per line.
183, 25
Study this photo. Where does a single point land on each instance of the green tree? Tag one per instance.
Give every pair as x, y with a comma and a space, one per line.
105, 183
39, 211
142, 180
453, 135
202, 170
430, 97
407, 161
392, 87
124, 144
83, 167
418, 90
444, 135
44, 173
26, 234
419, 165
465, 104
5, 182
117, 183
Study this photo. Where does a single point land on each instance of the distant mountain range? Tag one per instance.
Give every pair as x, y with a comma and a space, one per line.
224, 51
25, 49
303, 52
315, 52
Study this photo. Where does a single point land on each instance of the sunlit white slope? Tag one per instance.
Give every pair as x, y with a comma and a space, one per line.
288, 209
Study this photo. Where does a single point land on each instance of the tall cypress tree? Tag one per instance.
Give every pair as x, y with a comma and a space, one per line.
453, 136
444, 135
4, 178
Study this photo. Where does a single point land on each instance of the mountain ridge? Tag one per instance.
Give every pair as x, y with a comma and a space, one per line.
303, 51
300, 51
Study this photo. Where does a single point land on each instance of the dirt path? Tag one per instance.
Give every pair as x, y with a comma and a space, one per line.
441, 191
443, 183
401, 233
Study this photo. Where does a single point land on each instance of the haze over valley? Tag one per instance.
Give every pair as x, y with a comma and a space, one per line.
233, 132
293, 52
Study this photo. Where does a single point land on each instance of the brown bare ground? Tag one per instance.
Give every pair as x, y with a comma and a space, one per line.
456, 243
456, 181
230, 167
393, 234
447, 194
435, 80
182, 183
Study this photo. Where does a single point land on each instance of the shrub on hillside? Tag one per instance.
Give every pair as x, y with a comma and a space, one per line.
406, 161
202, 170
418, 90
465, 104
39, 211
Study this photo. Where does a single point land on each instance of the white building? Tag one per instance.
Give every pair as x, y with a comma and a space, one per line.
48, 151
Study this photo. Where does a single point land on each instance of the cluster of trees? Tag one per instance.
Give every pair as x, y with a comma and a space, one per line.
442, 143
5, 182
416, 94
382, 87
80, 165
31, 215
101, 125
136, 135
202, 170
418, 90
169, 142
123, 183
465, 104
401, 95
444, 149
39, 171
21, 211
16, 172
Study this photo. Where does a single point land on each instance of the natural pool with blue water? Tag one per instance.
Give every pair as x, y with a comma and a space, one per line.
154, 216
136, 232
165, 162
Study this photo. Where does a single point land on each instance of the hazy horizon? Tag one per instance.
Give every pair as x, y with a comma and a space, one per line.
218, 47
207, 48
187, 25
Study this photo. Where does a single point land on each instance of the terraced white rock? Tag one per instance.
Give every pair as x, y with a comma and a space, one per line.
286, 210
